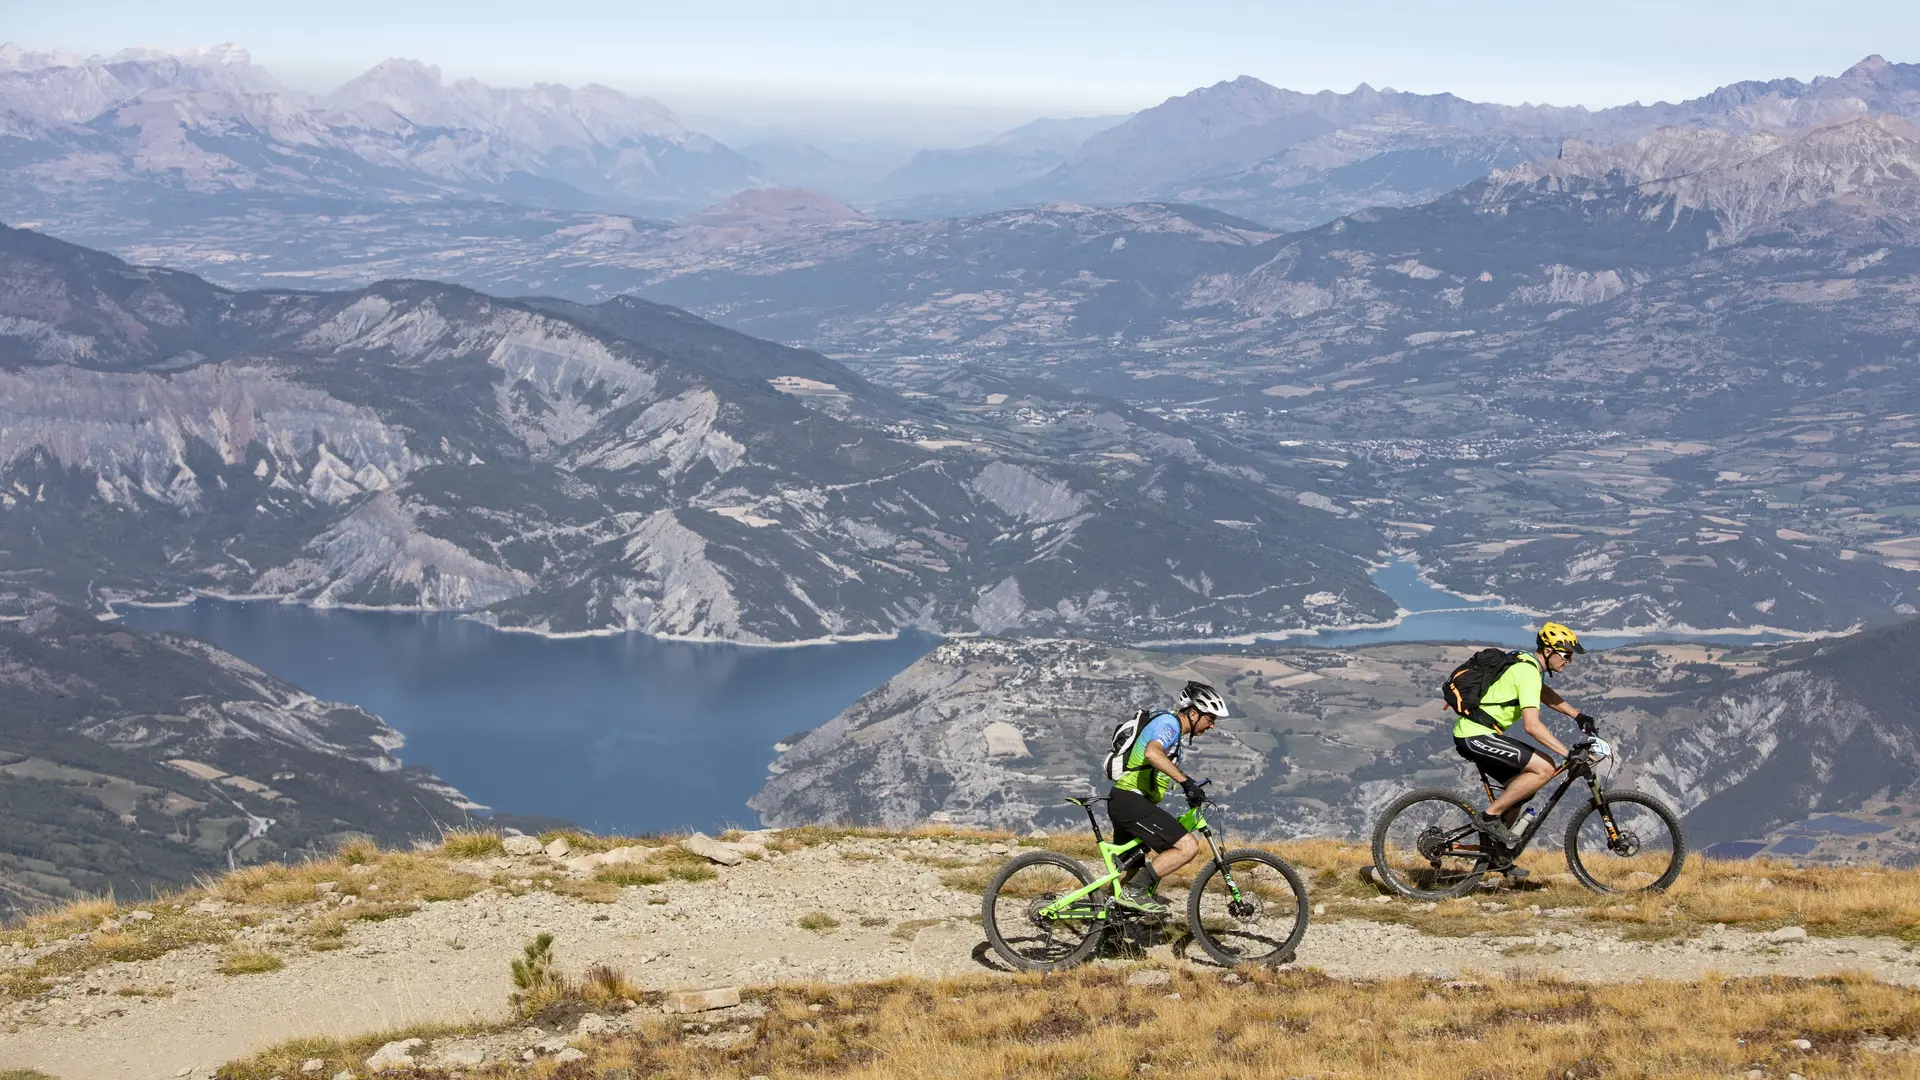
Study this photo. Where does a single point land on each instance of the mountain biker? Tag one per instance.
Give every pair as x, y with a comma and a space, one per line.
1516, 696
1153, 768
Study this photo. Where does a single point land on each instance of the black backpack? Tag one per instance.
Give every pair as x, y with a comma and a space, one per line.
1468, 684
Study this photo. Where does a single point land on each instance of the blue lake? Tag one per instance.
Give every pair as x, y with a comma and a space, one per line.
621, 733
628, 733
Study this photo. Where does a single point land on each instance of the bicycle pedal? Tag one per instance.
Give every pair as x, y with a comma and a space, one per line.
1516, 873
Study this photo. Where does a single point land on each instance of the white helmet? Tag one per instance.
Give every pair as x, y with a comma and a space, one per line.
1200, 696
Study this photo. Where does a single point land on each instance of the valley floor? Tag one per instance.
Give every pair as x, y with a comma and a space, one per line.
892, 906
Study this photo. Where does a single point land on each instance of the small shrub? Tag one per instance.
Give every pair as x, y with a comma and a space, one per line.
249, 962
693, 872
536, 983
818, 921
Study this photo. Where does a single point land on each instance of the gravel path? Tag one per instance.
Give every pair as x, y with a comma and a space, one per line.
449, 961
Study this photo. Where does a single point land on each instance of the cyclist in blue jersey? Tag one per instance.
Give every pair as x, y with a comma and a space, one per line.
1153, 768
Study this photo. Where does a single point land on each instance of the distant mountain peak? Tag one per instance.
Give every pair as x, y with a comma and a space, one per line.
1872, 65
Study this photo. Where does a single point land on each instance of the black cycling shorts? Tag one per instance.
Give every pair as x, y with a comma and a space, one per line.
1136, 818
1499, 757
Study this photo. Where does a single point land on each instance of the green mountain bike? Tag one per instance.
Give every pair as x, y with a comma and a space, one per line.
1045, 911
1427, 847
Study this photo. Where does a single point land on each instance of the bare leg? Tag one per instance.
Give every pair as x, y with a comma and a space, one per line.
1522, 787
1176, 856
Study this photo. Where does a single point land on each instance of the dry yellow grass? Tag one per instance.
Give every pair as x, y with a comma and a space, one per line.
1265, 1026
360, 870
170, 928
630, 875
249, 962
470, 844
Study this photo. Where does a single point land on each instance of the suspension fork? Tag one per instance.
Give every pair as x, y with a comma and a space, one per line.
1606, 813
1233, 887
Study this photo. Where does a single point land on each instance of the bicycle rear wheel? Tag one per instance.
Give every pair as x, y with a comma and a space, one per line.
1248, 908
1644, 854
1427, 848
1010, 913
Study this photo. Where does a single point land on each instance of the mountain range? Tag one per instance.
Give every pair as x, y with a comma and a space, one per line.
162, 133
180, 130
565, 468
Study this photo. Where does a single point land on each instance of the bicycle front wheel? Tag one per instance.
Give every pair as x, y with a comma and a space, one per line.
1426, 846
1642, 853
1011, 913
1248, 908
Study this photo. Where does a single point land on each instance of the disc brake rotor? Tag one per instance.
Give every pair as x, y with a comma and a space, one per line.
1243, 909
1431, 843
1626, 845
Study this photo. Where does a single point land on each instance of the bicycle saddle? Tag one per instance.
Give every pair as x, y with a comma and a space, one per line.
1088, 802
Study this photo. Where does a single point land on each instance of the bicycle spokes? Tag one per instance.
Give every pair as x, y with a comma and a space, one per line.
1431, 846
1625, 846
1033, 921
1252, 910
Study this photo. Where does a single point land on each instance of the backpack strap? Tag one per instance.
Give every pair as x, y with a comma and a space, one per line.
1150, 715
1485, 718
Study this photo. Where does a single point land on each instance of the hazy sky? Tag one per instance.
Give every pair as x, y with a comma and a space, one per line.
897, 67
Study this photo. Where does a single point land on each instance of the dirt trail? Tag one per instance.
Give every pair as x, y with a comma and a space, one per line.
449, 961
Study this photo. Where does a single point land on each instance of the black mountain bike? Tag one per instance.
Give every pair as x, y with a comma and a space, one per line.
1045, 911
1426, 846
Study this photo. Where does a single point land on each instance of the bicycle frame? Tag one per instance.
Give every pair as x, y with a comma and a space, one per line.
1069, 906
1573, 769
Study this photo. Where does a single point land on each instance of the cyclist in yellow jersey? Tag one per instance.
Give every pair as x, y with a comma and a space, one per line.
1516, 697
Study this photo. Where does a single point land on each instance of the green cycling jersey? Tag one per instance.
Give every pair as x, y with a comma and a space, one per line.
1516, 690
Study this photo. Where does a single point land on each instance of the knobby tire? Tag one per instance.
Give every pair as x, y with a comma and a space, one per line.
1281, 951
997, 935
1391, 879
1660, 809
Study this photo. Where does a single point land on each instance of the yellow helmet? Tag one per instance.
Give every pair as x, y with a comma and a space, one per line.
1560, 638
